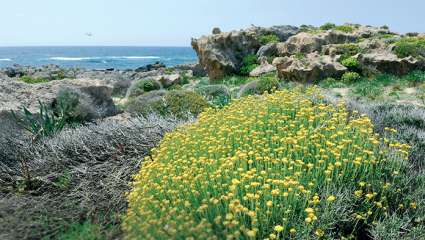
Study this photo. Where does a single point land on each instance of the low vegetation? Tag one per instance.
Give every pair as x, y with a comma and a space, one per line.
282, 165
410, 46
249, 63
269, 38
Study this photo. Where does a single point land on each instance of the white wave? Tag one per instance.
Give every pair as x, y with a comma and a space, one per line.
72, 58
5, 59
106, 57
135, 57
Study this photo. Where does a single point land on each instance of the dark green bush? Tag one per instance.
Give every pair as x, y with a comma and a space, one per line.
269, 38
415, 77
410, 46
249, 63
350, 77
142, 86
327, 26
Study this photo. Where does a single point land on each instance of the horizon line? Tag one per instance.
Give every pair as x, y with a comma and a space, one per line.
151, 46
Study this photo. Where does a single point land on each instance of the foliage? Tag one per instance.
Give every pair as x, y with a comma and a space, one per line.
266, 83
278, 166
327, 26
142, 86
351, 63
410, 46
43, 124
84, 231
218, 95
184, 103
32, 80
414, 78
249, 63
269, 38
368, 88
178, 103
347, 50
331, 83
236, 80
350, 77
344, 28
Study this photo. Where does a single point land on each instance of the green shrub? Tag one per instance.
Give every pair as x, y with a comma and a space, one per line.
267, 83
327, 26
184, 103
410, 46
414, 77
178, 103
350, 77
249, 63
262, 84
351, 63
32, 80
331, 83
142, 86
344, 28
368, 88
218, 95
347, 50
269, 38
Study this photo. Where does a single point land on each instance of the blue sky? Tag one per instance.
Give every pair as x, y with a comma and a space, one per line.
174, 22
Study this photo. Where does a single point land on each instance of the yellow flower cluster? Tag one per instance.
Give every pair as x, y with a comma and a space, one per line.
256, 169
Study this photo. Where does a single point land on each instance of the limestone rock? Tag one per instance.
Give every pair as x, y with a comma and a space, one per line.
264, 68
222, 54
388, 62
313, 68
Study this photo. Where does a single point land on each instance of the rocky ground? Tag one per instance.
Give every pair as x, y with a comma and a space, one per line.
78, 175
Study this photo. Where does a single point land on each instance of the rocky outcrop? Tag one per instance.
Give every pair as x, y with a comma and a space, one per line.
313, 67
388, 62
94, 96
222, 54
264, 68
308, 42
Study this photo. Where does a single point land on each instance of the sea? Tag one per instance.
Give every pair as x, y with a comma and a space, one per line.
96, 57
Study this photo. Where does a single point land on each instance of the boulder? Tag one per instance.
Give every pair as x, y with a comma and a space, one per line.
263, 68
222, 54
388, 62
313, 67
169, 80
216, 30
268, 50
94, 96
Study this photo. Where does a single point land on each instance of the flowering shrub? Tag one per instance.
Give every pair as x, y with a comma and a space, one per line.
275, 166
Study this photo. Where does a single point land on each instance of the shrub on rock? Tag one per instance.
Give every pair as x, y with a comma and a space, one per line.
410, 46
142, 86
249, 63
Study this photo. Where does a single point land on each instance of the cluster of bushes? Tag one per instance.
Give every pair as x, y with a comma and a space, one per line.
410, 46
331, 26
283, 165
178, 103
33, 80
269, 38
